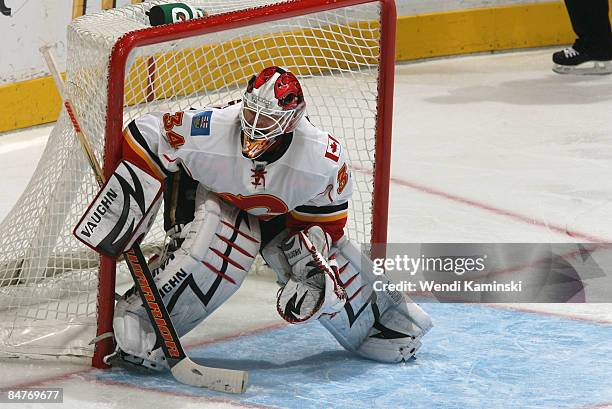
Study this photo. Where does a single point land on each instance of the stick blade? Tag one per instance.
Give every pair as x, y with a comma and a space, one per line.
217, 379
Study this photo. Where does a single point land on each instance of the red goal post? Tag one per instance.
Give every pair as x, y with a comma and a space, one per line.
56, 295
232, 20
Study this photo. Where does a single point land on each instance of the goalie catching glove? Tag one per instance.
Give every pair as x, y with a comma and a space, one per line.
312, 289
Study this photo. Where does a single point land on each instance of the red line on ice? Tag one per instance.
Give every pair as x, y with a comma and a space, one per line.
533, 221
68, 375
198, 398
569, 316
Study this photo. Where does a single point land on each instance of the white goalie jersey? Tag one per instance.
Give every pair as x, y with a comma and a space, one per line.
308, 179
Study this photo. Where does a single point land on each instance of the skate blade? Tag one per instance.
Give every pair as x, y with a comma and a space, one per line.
587, 68
124, 359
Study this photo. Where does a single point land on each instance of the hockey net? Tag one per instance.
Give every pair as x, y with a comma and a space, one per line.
55, 294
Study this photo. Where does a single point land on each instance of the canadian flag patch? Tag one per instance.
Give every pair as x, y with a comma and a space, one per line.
333, 148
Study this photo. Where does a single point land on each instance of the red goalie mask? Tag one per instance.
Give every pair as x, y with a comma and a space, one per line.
272, 105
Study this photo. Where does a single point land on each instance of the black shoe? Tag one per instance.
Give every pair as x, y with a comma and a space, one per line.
571, 61
570, 57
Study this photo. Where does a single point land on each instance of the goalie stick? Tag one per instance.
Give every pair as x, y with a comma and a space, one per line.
183, 369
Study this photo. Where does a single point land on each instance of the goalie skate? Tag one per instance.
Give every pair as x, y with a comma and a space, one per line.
121, 357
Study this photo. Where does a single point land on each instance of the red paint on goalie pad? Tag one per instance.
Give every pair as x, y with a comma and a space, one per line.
129, 154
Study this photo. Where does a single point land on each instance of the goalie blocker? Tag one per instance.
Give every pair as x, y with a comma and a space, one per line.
122, 212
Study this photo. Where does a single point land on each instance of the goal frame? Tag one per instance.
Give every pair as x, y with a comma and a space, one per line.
225, 21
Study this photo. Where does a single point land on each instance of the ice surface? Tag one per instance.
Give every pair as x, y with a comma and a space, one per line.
491, 148
530, 360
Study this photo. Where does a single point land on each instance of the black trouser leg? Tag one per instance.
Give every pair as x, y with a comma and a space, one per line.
591, 24
271, 228
179, 199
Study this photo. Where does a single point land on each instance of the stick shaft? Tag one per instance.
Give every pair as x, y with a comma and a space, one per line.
91, 157
218, 379
134, 258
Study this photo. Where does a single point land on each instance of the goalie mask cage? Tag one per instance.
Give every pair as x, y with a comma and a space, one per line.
55, 294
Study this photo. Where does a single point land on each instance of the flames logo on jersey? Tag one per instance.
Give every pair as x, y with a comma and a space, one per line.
263, 206
342, 179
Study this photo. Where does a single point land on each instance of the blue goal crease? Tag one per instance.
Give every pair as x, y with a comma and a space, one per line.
474, 357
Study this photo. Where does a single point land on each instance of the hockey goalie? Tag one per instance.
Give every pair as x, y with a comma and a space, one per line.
256, 176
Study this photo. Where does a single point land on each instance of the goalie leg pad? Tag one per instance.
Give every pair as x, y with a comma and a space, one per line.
218, 251
382, 326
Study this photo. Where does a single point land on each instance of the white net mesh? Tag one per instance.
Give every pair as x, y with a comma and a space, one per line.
48, 280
